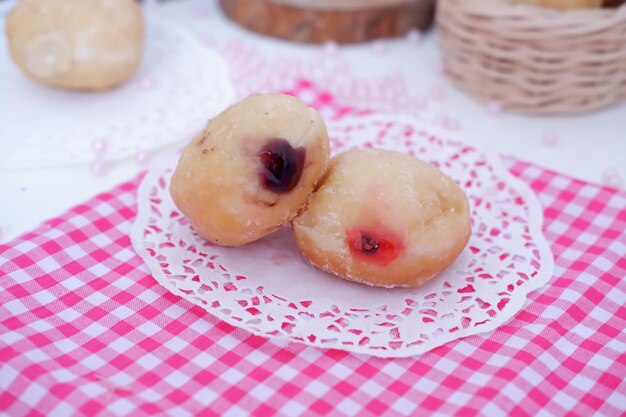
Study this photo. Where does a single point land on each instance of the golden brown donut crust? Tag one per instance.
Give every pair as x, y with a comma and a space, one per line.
217, 181
384, 218
76, 44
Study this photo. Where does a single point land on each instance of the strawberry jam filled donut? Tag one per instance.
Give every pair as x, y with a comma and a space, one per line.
383, 218
251, 169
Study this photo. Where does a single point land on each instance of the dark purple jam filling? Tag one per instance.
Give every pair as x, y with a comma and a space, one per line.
281, 165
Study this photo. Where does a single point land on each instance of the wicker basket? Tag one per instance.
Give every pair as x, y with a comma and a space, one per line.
534, 60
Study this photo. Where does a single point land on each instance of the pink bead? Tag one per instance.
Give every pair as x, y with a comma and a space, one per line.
440, 69
414, 36
99, 146
446, 122
146, 83
98, 168
142, 158
205, 40
330, 47
453, 124
439, 119
612, 178
437, 92
494, 107
200, 13
420, 102
379, 46
550, 138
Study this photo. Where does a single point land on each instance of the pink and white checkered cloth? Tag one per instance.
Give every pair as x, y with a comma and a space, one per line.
85, 330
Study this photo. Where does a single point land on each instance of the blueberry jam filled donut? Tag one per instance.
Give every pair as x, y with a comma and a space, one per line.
251, 169
383, 218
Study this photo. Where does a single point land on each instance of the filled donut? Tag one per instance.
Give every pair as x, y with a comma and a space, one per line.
383, 218
76, 44
251, 169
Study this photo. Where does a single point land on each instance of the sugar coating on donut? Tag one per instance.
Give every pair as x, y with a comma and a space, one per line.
251, 169
76, 44
383, 218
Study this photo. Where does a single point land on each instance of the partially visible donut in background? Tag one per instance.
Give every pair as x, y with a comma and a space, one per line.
383, 218
573, 4
251, 169
613, 3
76, 44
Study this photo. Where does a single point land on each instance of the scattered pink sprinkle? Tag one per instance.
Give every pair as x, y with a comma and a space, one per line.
612, 178
142, 158
494, 107
550, 138
414, 36
98, 168
99, 146
379, 46
330, 47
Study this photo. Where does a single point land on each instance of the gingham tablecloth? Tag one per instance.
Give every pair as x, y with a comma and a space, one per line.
85, 330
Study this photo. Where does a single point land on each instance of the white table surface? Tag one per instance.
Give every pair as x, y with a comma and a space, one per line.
587, 145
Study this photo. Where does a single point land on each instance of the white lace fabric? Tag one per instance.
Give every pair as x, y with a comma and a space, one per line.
269, 289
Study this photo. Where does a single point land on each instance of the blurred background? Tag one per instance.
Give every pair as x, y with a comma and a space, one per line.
379, 55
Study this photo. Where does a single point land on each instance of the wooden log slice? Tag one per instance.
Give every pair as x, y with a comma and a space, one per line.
342, 21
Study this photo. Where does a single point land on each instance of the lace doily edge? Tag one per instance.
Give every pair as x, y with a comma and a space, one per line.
514, 306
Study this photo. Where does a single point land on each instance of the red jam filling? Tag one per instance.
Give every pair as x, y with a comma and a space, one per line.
378, 246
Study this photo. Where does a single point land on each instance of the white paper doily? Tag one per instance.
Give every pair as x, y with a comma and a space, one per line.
269, 289
177, 87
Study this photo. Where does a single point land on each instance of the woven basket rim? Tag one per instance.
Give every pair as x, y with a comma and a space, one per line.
510, 10
533, 59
